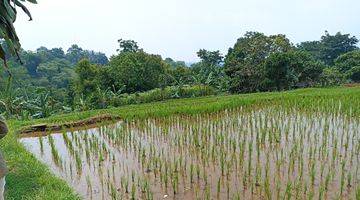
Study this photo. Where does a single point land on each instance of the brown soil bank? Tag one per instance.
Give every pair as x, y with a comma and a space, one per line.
352, 85
69, 125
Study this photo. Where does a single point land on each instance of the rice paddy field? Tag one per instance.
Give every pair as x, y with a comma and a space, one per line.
302, 144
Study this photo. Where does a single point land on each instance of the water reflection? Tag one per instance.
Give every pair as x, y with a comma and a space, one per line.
259, 154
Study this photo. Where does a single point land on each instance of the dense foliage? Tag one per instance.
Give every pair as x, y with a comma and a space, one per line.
245, 62
330, 46
57, 81
264, 63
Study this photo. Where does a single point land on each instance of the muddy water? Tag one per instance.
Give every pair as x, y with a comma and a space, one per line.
239, 154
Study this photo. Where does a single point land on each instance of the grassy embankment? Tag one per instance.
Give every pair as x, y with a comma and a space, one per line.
29, 179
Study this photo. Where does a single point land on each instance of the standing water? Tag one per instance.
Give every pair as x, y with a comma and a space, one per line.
268, 153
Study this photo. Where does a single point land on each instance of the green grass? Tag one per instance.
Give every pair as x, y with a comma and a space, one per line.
30, 179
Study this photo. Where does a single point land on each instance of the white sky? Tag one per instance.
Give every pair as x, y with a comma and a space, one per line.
179, 28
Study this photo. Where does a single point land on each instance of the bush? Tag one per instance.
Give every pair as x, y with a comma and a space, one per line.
331, 76
172, 92
354, 74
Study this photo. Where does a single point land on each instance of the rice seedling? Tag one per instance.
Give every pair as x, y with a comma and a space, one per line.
283, 150
133, 192
207, 193
126, 185
218, 188
41, 144
54, 151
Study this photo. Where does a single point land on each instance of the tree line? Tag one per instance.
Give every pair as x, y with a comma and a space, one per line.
54, 81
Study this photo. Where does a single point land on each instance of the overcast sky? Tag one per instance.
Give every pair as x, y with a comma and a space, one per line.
178, 28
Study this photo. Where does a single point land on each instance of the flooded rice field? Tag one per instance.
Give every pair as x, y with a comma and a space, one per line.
265, 153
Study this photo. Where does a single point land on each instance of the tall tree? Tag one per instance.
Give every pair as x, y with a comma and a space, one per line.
97, 57
244, 63
128, 46
279, 73
349, 64
56, 73
137, 71
32, 61
330, 47
210, 70
175, 64
286, 70
178, 73
75, 53
210, 57
87, 81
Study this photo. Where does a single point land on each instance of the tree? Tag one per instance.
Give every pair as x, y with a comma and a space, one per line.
331, 76
312, 47
286, 70
75, 53
174, 64
349, 64
46, 54
57, 53
88, 86
309, 68
128, 46
178, 73
209, 65
137, 71
97, 57
57, 73
279, 72
244, 63
31, 61
210, 70
181, 75
212, 58
87, 81
330, 47
354, 74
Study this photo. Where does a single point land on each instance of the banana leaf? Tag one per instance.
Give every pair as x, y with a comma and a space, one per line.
8, 34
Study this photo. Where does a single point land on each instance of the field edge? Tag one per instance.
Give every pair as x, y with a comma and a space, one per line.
30, 179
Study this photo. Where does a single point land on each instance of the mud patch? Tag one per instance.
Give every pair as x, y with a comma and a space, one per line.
91, 122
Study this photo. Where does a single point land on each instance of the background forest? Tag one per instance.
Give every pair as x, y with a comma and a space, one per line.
54, 81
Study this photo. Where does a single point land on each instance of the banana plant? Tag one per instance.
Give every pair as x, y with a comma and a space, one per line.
8, 14
11, 103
